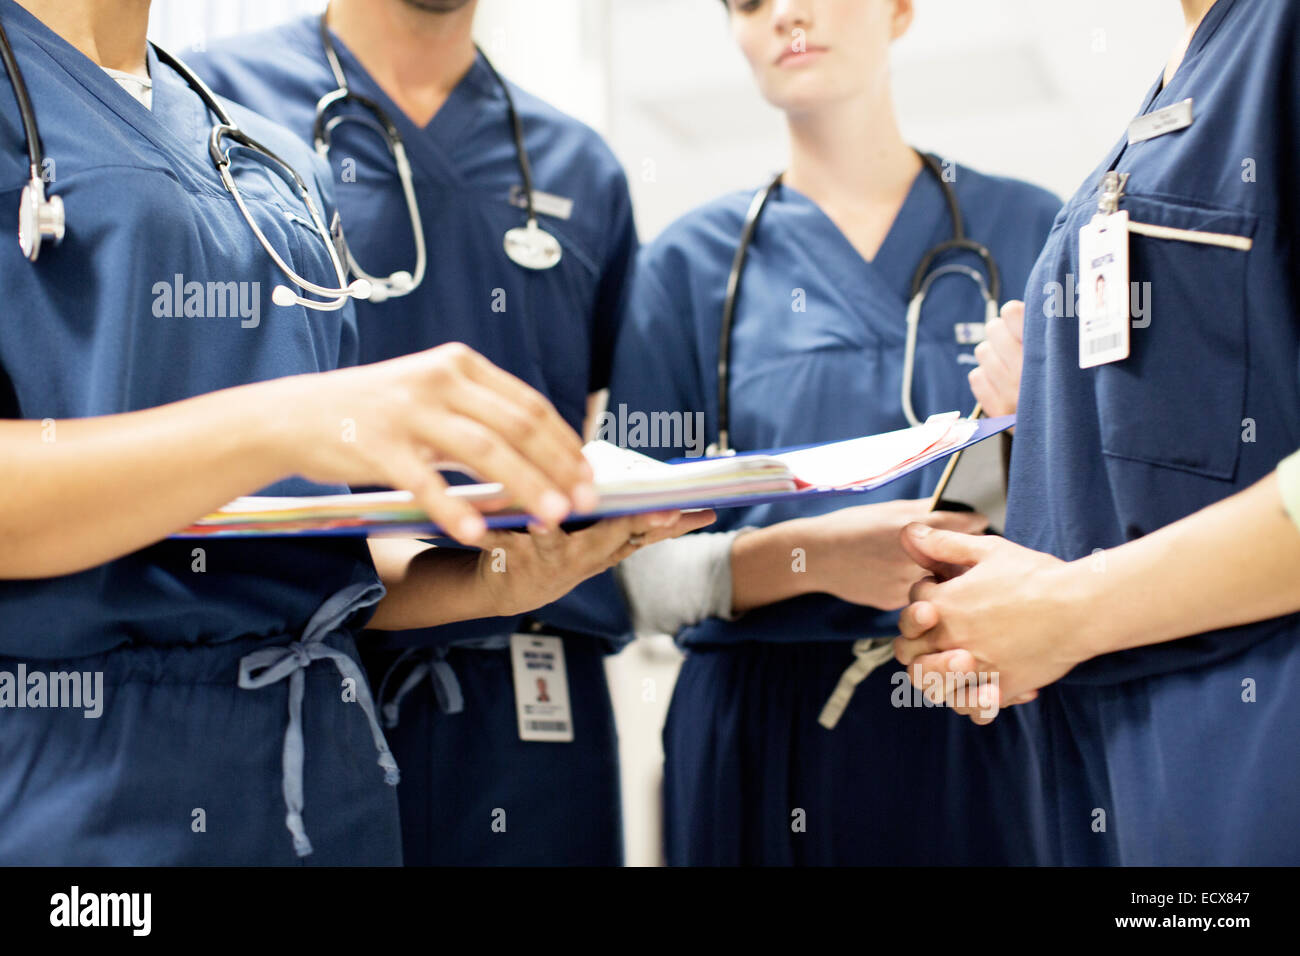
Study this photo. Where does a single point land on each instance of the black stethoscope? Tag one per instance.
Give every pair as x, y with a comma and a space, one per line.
925, 276
529, 245
41, 218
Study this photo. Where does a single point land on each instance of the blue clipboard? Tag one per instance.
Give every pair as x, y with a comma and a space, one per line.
985, 428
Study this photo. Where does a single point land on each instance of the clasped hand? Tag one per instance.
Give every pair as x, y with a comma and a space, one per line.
992, 623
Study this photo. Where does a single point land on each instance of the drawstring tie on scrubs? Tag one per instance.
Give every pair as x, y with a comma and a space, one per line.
270, 665
431, 662
446, 688
868, 654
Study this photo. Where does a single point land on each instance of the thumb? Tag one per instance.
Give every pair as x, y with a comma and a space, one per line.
967, 522
604, 538
1013, 316
944, 553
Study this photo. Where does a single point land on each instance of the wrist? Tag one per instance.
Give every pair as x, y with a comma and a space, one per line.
791, 549
1083, 608
434, 587
769, 565
241, 433
492, 581
825, 546
276, 422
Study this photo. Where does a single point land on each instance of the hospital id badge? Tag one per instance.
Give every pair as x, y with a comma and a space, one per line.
541, 688
1104, 318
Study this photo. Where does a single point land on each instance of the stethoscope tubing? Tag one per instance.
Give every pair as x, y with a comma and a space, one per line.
391, 286
921, 281
224, 128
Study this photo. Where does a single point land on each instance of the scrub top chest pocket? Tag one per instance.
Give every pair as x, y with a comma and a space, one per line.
1178, 399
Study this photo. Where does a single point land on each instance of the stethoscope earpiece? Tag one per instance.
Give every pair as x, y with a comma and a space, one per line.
284, 297
381, 290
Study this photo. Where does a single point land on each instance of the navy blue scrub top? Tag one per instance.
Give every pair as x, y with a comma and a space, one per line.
554, 329
86, 332
1208, 401
817, 346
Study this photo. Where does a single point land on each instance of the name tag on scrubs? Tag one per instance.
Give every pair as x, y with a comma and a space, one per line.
545, 204
1103, 290
1168, 120
541, 688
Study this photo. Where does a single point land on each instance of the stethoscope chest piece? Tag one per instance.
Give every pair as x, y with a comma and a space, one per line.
39, 219
533, 247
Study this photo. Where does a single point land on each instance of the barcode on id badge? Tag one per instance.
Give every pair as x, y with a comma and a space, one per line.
1103, 344
547, 726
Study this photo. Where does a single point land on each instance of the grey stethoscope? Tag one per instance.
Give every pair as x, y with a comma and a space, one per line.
925, 276
41, 218
529, 246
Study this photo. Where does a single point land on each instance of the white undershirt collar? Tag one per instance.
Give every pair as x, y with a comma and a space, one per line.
140, 87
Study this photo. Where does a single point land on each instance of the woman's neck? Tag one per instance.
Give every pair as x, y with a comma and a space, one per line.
416, 56
852, 161
1194, 12
850, 154
112, 34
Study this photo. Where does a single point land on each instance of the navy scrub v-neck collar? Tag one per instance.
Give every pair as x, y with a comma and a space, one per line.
429, 143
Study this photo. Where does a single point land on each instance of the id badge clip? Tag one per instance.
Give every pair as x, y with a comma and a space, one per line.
1104, 317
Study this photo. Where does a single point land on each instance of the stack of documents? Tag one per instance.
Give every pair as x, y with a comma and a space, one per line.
628, 483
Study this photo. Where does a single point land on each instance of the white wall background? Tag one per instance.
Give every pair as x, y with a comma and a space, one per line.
1031, 88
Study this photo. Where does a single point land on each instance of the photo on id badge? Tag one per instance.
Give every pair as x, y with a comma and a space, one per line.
1104, 290
541, 688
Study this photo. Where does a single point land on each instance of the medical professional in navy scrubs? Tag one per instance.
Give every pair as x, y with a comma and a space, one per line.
751, 774
225, 717
1166, 644
449, 693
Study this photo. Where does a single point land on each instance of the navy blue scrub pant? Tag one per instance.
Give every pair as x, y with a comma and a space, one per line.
472, 793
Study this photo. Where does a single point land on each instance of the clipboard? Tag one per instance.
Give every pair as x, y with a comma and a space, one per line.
390, 520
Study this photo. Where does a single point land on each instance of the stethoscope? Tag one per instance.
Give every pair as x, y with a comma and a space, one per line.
529, 245
922, 279
41, 218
